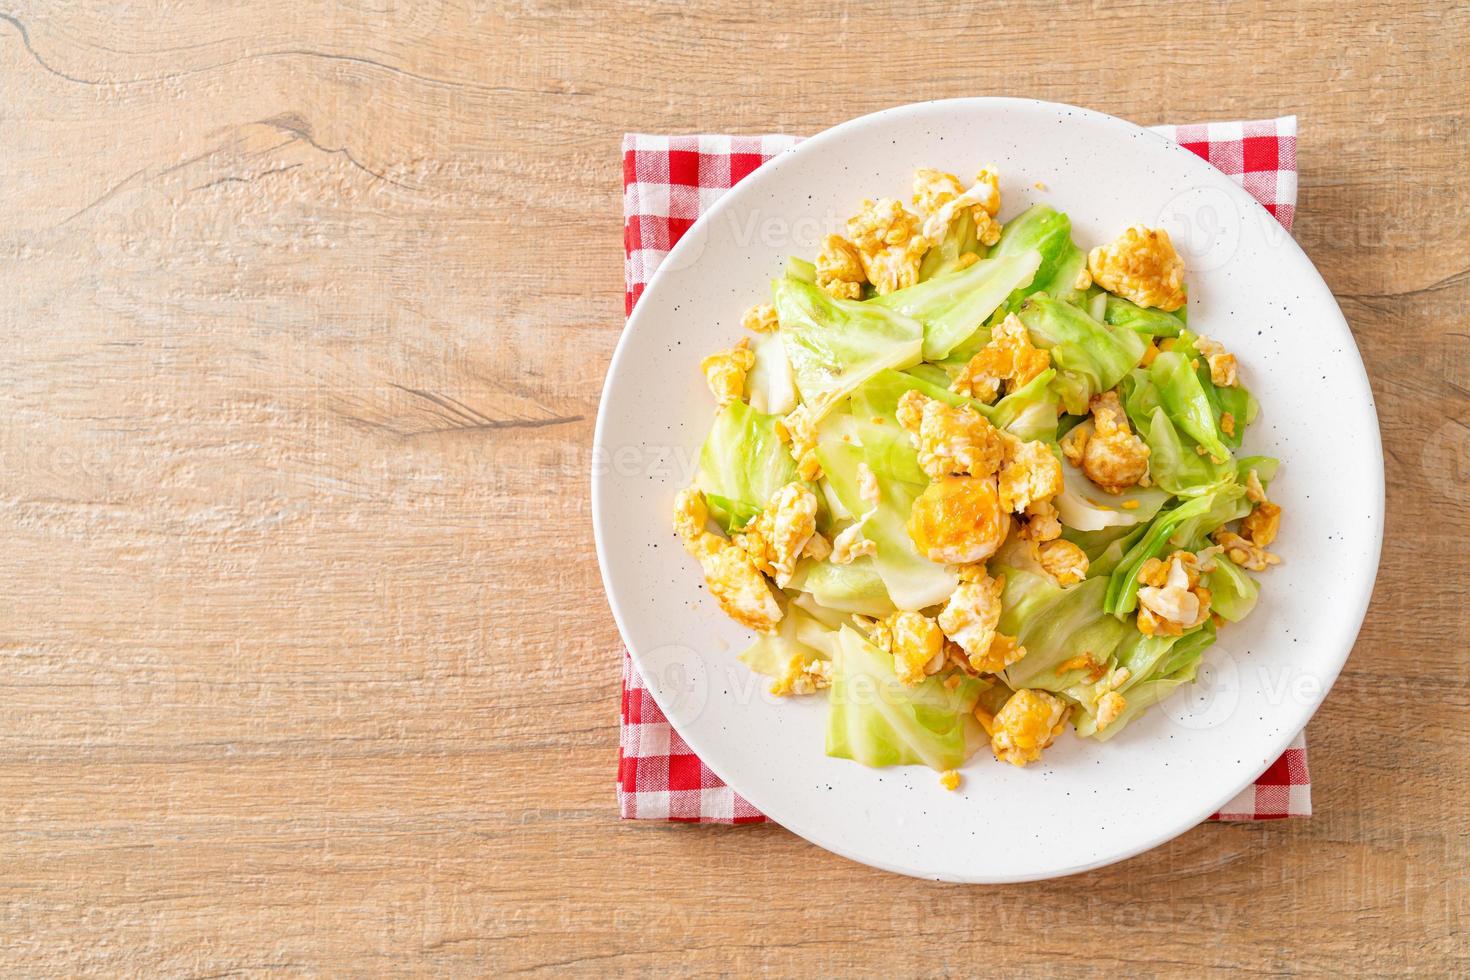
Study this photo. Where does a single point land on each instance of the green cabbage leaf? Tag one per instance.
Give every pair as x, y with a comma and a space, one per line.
912, 580
875, 719
955, 305
741, 464
1089, 356
834, 345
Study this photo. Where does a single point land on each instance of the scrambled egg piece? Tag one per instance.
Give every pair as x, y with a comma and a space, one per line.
1028, 723
737, 585
801, 430
950, 780
1043, 522
939, 197
1112, 456
691, 514
840, 268
1031, 473
970, 618
987, 229
1222, 363
761, 318
1074, 445
933, 189
803, 676
1257, 531
777, 537
1171, 599
1245, 553
958, 520
1085, 662
1009, 357
950, 440
1142, 266
1004, 651
916, 643
724, 372
850, 545
890, 244
1063, 561
1261, 526
1109, 707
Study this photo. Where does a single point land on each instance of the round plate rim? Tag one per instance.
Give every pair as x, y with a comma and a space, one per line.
750, 186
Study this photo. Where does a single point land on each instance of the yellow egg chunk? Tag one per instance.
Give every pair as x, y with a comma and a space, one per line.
957, 520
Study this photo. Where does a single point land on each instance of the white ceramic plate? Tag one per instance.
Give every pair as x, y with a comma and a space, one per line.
1085, 804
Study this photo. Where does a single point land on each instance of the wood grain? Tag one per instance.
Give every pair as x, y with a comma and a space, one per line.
308, 668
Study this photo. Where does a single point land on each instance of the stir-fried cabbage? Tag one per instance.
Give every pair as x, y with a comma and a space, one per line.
875, 719
771, 387
1089, 357
912, 580
852, 588
1181, 528
800, 635
1156, 665
1066, 620
1183, 399
1048, 232
1233, 592
742, 464
1084, 506
955, 305
958, 242
1055, 625
834, 345
1119, 312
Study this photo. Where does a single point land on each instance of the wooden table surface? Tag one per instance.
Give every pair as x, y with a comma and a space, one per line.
308, 667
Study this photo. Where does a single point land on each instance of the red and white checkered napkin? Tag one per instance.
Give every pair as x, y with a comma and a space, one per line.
668, 182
